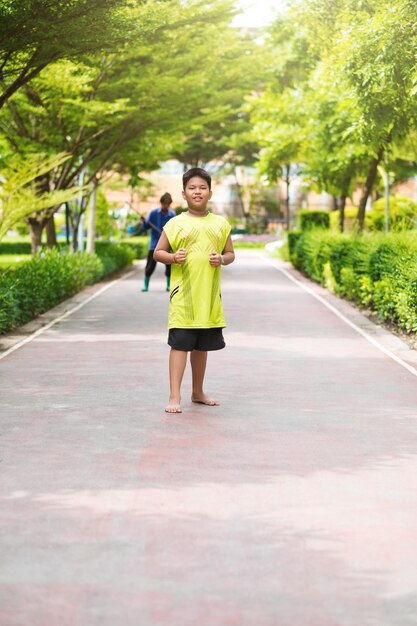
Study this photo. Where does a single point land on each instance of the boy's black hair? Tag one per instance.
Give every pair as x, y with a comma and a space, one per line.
166, 197
196, 171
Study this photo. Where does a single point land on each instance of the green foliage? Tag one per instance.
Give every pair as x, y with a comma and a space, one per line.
293, 237
43, 282
313, 219
105, 223
139, 245
35, 33
350, 221
341, 94
15, 247
402, 214
53, 276
178, 87
114, 256
375, 271
19, 192
13, 260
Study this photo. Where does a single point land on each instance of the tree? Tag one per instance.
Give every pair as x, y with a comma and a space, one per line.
35, 33
349, 67
380, 64
113, 112
333, 159
19, 196
370, 48
281, 130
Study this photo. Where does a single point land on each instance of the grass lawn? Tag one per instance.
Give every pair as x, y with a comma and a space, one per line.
13, 260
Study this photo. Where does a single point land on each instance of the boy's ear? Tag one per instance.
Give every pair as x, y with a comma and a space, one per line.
183, 194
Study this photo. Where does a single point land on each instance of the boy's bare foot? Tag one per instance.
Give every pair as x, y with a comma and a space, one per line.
203, 399
173, 407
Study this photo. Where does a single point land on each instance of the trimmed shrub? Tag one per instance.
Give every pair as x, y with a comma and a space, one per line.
15, 247
375, 271
53, 276
114, 256
293, 237
313, 219
138, 244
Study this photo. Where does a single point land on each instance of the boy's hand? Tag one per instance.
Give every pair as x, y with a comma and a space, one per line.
180, 256
215, 259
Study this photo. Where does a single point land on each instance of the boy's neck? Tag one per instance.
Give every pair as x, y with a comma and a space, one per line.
199, 213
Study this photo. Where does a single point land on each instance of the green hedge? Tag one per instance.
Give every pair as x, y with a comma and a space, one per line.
15, 247
138, 244
308, 220
374, 270
53, 276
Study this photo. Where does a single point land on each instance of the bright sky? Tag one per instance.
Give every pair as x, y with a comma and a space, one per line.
258, 13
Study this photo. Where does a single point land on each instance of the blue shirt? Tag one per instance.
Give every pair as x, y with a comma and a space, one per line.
158, 219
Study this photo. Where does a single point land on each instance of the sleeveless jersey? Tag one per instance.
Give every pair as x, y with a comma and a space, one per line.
195, 300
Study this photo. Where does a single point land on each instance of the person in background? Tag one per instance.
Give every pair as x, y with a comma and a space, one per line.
155, 222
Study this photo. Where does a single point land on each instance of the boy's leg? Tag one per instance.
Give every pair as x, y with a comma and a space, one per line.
168, 276
198, 360
177, 363
149, 270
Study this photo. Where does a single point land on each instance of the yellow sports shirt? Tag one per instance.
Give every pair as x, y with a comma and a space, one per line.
195, 300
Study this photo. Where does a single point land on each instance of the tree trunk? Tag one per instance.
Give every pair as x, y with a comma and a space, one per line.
75, 223
36, 227
91, 231
369, 183
67, 223
51, 240
287, 199
239, 195
342, 205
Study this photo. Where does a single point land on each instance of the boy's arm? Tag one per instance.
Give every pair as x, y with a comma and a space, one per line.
226, 257
145, 222
163, 255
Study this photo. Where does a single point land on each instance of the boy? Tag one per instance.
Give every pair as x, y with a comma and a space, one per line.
156, 220
200, 243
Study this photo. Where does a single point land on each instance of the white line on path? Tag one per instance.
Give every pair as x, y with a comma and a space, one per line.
62, 317
364, 334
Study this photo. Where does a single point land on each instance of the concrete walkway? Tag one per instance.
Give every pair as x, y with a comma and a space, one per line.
292, 504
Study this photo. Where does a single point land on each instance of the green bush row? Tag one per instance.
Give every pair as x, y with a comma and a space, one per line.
376, 271
15, 247
308, 219
53, 276
138, 244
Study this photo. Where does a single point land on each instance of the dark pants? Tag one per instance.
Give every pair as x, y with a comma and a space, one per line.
151, 264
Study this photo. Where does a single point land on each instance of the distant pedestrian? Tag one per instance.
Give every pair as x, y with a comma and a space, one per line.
155, 222
196, 243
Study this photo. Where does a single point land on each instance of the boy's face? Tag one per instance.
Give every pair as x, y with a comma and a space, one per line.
197, 193
165, 205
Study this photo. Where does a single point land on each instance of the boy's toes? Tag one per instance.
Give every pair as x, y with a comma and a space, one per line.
203, 399
173, 408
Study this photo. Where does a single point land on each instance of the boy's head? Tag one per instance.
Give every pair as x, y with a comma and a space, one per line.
165, 200
196, 171
196, 189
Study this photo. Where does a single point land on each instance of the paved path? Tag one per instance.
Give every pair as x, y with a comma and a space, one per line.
292, 504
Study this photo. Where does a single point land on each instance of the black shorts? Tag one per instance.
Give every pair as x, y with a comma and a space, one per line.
188, 339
